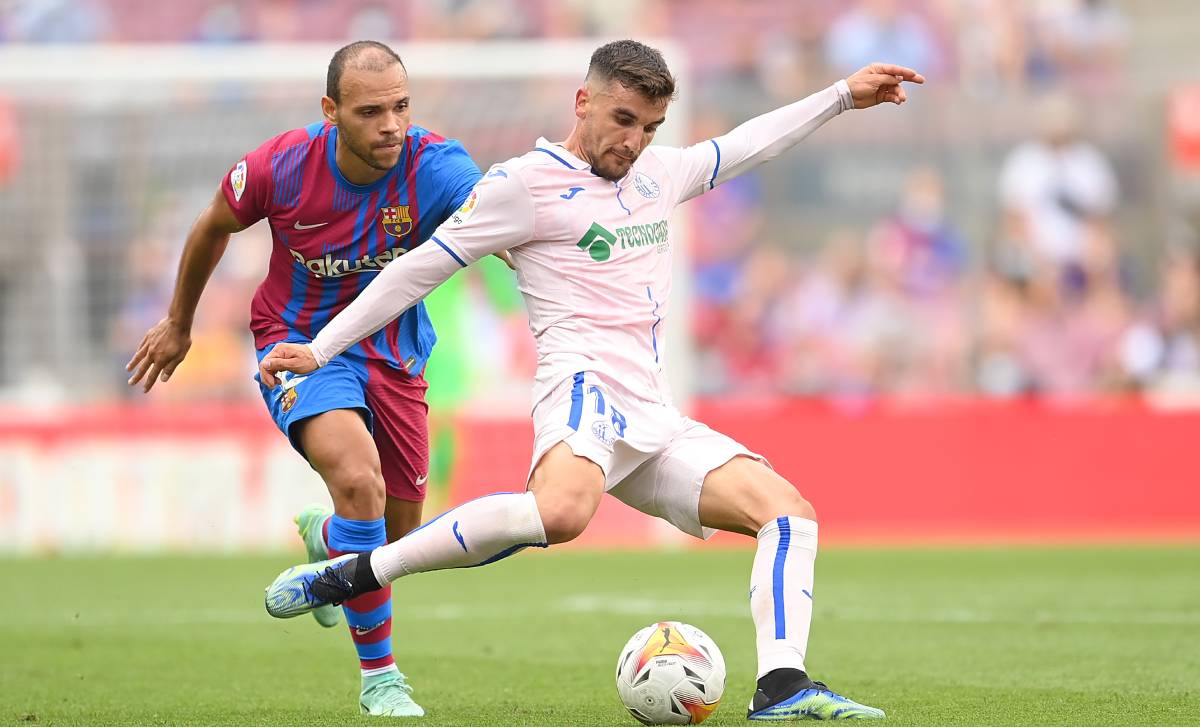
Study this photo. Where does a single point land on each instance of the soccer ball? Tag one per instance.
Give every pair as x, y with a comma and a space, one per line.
671, 673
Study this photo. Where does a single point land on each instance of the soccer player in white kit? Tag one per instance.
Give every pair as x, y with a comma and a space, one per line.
587, 223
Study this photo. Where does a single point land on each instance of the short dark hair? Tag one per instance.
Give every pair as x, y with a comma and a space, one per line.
359, 54
634, 65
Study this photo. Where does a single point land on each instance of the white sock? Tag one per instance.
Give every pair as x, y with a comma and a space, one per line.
474, 533
781, 587
368, 673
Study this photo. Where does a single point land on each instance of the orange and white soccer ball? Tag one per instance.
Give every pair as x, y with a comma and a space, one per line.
671, 673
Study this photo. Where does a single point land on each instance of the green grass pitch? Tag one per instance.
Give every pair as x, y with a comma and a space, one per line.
1073, 636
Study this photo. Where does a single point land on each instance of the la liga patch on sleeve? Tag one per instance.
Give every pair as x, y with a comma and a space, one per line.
463, 213
237, 180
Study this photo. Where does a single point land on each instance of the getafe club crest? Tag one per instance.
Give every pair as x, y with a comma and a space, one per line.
396, 221
646, 186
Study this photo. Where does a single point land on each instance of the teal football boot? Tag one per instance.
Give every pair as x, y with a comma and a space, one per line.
311, 524
388, 695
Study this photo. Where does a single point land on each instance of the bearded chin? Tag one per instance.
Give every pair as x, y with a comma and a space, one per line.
608, 174
370, 162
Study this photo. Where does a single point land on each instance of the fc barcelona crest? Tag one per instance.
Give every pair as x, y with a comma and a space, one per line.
396, 220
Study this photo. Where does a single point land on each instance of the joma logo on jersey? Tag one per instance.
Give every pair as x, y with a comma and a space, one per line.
598, 241
396, 220
327, 267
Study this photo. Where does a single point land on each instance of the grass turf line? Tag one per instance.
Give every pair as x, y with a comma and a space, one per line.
1074, 636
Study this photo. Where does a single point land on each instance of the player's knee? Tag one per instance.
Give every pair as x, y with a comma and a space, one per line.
780, 502
793, 504
358, 489
563, 519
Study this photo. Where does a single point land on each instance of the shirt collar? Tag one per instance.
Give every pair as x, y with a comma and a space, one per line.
560, 152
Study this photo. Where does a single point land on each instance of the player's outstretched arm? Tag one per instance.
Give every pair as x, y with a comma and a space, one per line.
165, 345
398, 287
498, 215
705, 165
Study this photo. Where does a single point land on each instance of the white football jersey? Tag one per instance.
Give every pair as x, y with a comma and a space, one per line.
593, 256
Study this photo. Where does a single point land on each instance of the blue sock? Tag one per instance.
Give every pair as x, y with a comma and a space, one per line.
369, 616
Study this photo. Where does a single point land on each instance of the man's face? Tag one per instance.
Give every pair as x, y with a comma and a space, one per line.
373, 115
616, 123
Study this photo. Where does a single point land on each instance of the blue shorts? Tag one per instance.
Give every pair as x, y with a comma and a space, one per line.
391, 403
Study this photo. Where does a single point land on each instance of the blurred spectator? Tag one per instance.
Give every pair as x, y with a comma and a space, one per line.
223, 23
57, 21
991, 44
1073, 330
927, 252
875, 30
1052, 190
612, 18
825, 307
1039, 335
1084, 42
999, 370
744, 352
1160, 354
371, 21
473, 19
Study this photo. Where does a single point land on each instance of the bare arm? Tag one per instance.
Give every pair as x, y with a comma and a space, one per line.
166, 344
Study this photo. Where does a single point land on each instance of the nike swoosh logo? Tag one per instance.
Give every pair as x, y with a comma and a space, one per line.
422, 480
292, 382
299, 226
287, 382
461, 542
359, 631
571, 193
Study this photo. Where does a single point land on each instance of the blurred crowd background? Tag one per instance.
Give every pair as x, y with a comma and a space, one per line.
1025, 226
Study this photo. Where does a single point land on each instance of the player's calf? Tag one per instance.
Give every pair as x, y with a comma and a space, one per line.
357, 489
568, 489
564, 519
475, 533
743, 495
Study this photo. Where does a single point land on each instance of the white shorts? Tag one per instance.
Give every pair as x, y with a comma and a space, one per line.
654, 458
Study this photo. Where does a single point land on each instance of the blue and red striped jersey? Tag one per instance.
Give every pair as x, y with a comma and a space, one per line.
331, 237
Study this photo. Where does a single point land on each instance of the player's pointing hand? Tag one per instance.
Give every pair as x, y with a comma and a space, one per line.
880, 83
294, 357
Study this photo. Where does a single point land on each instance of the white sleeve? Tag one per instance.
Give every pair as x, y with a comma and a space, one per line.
705, 165
497, 215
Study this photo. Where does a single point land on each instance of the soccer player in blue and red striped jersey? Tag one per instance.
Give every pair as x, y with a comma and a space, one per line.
343, 197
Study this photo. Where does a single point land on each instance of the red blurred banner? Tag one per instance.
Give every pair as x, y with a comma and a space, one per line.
957, 471
204, 477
